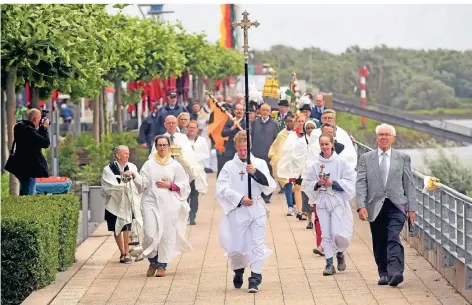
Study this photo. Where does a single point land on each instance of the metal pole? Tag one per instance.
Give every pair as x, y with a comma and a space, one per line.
56, 141
248, 128
85, 204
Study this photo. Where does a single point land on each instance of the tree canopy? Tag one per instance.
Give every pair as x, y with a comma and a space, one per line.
403, 78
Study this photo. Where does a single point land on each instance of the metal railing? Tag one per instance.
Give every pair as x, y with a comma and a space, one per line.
419, 118
444, 220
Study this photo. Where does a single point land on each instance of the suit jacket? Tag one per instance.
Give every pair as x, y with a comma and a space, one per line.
371, 192
230, 150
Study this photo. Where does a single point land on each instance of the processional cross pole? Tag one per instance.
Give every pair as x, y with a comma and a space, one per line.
245, 24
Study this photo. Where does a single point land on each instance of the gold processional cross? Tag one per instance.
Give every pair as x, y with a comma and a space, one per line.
245, 24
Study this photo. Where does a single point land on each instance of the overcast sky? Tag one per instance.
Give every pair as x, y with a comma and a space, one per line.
336, 27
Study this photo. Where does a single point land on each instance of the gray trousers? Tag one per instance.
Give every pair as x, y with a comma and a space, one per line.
193, 201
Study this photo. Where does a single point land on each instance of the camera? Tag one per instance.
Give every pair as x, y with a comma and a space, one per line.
44, 114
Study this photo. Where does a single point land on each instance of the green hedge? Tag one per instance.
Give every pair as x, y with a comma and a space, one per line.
38, 239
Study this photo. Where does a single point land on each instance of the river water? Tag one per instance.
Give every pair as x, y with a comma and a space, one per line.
463, 153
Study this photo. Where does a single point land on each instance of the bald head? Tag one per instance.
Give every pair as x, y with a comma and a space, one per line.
34, 115
171, 124
265, 111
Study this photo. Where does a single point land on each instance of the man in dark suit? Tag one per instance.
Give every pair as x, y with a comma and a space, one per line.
386, 198
230, 130
319, 108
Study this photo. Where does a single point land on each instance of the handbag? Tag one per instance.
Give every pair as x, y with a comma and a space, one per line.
12, 162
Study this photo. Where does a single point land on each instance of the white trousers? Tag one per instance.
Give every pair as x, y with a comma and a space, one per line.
248, 246
336, 227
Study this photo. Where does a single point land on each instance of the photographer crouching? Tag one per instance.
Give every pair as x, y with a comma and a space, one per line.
26, 159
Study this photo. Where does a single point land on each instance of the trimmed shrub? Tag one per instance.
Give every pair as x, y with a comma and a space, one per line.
30, 246
69, 205
39, 236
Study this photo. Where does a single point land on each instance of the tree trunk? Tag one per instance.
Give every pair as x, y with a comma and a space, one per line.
3, 144
11, 121
34, 96
106, 119
96, 119
101, 114
201, 95
118, 104
224, 89
195, 97
77, 128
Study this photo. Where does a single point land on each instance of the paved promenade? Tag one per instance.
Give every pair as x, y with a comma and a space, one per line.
292, 275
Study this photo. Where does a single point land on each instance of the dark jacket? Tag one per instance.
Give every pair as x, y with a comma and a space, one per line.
262, 136
164, 112
315, 114
338, 147
230, 150
30, 161
149, 129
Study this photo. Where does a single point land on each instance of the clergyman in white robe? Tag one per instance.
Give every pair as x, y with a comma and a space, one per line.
202, 154
333, 205
243, 228
165, 211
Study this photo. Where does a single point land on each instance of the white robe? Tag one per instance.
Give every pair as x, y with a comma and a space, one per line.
165, 212
293, 161
333, 207
122, 199
349, 153
242, 230
202, 155
188, 155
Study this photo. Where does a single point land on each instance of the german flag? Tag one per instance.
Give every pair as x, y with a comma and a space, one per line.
229, 35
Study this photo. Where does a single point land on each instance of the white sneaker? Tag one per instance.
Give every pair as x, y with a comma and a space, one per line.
290, 212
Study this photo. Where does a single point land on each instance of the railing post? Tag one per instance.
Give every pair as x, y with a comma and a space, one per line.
85, 208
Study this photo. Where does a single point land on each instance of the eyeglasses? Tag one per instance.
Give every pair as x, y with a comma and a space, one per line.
384, 134
162, 145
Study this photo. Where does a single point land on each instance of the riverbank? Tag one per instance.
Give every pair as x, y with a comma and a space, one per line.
406, 138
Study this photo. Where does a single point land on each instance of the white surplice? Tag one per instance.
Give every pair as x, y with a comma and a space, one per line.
333, 206
122, 199
293, 162
188, 155
349, 153
242, 229
202, 155
165, 212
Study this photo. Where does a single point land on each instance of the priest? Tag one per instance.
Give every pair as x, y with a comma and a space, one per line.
164, 208
349, 152
243, 226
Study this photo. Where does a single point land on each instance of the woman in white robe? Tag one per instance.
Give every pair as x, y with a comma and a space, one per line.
122, 199
332, 193
164, 208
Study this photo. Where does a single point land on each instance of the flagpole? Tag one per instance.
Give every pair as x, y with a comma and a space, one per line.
245, 24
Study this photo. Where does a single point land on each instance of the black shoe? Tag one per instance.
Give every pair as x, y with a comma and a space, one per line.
254, 282
238, 278
192, 222
309, 226
329, 270
341, 262
396, 279
383, 280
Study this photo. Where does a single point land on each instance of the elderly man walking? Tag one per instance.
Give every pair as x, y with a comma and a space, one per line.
264, 131
386, 198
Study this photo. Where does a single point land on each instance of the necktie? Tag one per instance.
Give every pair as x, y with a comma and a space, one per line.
383, 167
171, 139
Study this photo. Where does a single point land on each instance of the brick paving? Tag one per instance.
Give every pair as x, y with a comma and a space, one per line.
292, 275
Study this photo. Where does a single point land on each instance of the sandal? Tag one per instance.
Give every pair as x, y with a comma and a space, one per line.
125, 259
